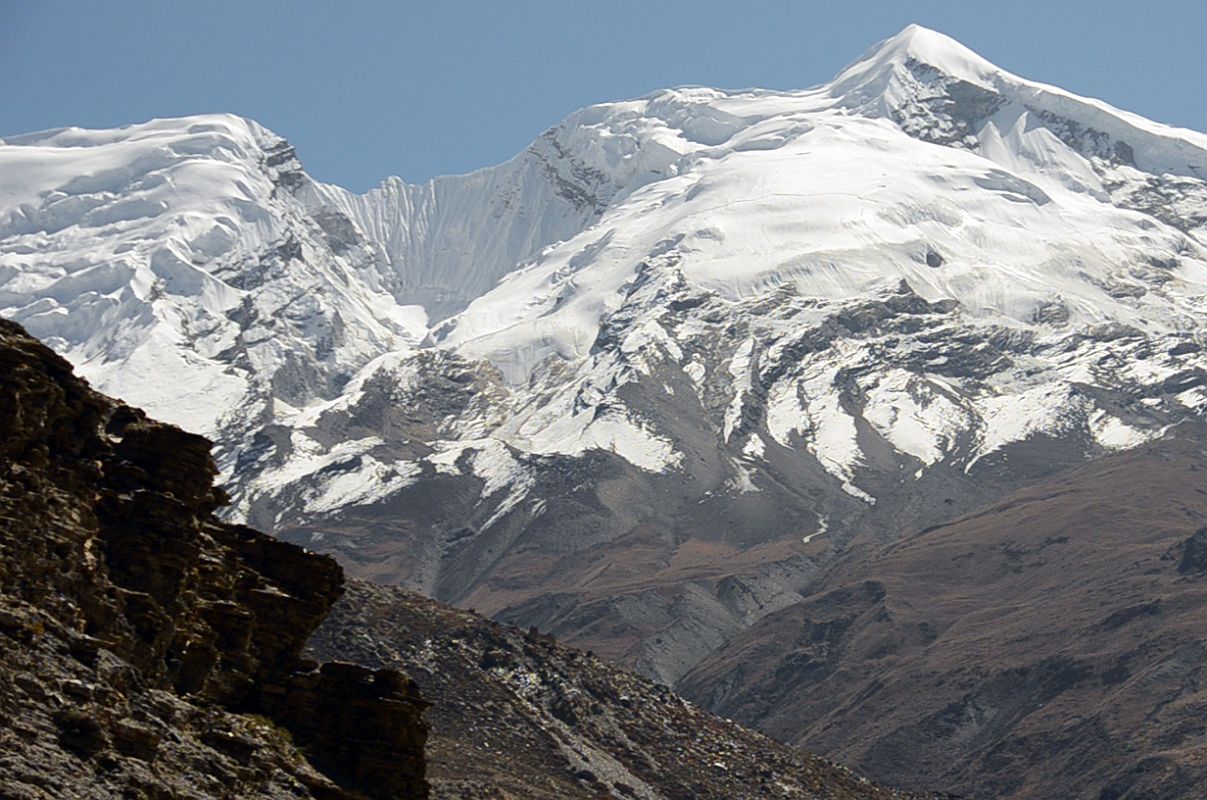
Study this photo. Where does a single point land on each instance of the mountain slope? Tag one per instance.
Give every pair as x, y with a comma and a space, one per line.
1048, 645
641, 383
518, 715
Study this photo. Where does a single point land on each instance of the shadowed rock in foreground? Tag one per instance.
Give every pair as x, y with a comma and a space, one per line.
148, 650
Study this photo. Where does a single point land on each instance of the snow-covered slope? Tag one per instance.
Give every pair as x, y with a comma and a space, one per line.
172, 264
451, 239
699, 328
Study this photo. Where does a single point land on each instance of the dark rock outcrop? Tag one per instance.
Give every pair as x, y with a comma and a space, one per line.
1194, 554
149, 650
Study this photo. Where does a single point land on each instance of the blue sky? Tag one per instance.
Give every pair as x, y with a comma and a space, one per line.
367, 89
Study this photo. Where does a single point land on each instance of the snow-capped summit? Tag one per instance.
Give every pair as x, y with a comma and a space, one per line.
702, 326
921, 74
1024, 209
875, 76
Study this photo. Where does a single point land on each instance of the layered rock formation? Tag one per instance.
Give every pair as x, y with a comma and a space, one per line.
149, 650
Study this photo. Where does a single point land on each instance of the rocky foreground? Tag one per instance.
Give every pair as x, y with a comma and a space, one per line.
148, 650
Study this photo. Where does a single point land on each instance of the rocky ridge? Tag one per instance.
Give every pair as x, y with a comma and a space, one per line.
150, 650
1050, 644
517, 715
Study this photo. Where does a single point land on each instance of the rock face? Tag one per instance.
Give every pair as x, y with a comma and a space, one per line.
1051, 644
518, 716
150, 650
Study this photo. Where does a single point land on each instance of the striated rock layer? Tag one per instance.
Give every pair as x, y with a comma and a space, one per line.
149, 650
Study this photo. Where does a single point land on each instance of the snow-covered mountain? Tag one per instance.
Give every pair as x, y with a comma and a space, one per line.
637, 383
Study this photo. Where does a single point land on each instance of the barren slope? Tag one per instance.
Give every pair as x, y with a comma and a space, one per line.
1052, 644
517, 715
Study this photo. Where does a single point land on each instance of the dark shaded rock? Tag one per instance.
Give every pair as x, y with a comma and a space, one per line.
137, 631
1051, 313
1184, 348
1182, 381
1194, 554
1125, 615
341, 232
81, 732
281, 163
1124, 154
516, 714
136, 740
240, 748
950, 111
347, 718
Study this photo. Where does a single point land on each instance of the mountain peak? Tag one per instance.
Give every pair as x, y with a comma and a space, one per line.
923, 43
930, 47
937, 89
231, 126
873, 72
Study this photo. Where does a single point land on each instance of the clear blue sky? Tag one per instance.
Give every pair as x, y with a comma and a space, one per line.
368, 89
